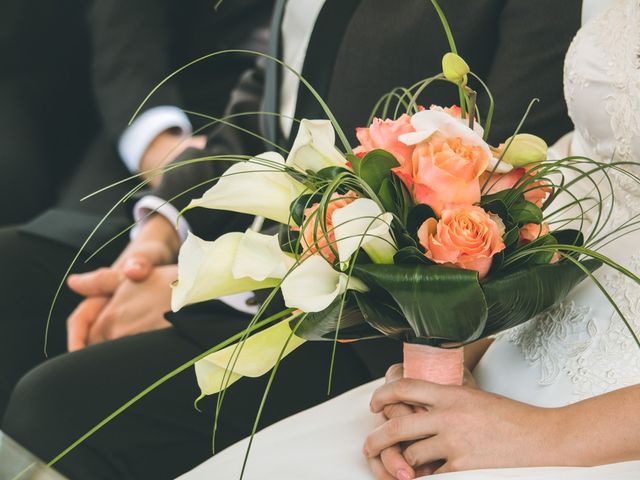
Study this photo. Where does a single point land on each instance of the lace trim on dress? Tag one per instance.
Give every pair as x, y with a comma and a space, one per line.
596, 351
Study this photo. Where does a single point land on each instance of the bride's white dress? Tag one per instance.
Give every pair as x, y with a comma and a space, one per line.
577, 350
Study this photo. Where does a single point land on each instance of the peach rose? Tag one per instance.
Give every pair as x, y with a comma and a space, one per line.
446, 172
313, 239
467, 237
535, 192
384, 134
533, 231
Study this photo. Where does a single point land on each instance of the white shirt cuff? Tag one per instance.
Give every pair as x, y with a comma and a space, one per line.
135, 140
151, 203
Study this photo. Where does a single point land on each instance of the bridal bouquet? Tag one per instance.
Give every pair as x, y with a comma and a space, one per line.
424, 233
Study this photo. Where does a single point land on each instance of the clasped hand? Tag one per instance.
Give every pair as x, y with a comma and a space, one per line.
129, 297
432, 428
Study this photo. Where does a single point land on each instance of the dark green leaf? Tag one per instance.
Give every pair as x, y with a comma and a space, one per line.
515, 297
300, 204
375, 167
534, 258
329, 173
437, 302
355, 162
322, 325
526, 212
417, 217
569, 237
383, 315
388, 196
511, 237
498, 207
411, 256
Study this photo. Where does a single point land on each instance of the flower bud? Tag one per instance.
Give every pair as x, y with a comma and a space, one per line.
455, 69
525, 149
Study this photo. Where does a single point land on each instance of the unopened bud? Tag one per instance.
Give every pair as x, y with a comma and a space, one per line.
455, 69
525, 149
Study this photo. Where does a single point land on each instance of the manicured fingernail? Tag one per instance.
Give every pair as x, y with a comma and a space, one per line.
403, 475
371, 406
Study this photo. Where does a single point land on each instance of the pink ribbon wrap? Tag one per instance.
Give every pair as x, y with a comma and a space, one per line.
444, 366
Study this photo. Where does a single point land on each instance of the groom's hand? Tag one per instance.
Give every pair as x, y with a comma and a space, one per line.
157, 244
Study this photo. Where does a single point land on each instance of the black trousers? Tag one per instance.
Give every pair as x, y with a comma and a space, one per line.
161, 436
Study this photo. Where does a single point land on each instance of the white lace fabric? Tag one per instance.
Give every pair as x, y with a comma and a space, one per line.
582, 347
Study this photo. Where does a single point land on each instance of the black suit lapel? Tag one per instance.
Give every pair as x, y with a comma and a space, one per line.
325, 42
272, 74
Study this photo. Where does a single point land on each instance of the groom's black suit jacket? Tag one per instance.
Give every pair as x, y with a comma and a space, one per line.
73, 73
361, 49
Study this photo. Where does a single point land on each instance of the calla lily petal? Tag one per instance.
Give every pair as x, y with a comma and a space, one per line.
259, 186
363, 224
314, 147
259, 257
205, 271
428, 122
314, 284
253, 358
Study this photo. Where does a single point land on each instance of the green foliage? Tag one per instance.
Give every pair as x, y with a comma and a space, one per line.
517, 296
375, 167
301, 203
437, 302
526, 212
322, 325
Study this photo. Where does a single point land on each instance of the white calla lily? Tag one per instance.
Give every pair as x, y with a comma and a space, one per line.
314, 284
428, 122
209, 270
252, 358
259, 257
363, 224
314, 147
259, 186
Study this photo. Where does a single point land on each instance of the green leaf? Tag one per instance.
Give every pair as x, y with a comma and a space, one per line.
300, 204
411, 256
515, 297
535, 258
395, 197
383, 315
355, 162
498, 207
388, 196
417, 217
437, 302
569, 237
329, 173
526, 212
322, 325
375, 167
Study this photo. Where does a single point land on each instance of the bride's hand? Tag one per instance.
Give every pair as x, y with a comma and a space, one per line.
464, 426
391, 464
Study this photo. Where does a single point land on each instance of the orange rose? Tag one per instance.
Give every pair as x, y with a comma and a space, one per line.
535, 192
313, 238
533, 231
446, 171
467, 237
384, 134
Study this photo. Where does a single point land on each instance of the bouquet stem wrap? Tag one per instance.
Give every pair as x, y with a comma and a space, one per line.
444, 366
